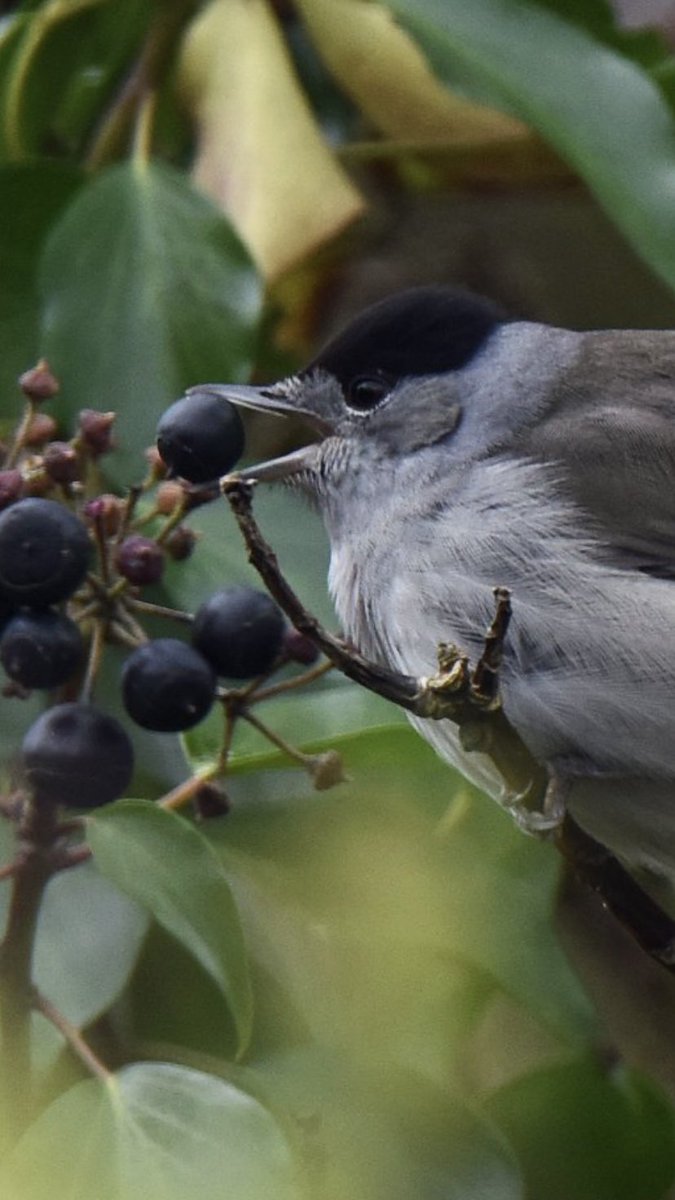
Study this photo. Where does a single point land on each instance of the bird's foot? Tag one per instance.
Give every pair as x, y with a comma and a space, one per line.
544, 820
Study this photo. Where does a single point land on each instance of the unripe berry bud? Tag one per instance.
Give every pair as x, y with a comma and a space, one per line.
180, 543
140, 560
155, 462
11, 487
168, 497
41, 429
95, 430
106, 509
39, 384
211, 801
61, 462
299, 648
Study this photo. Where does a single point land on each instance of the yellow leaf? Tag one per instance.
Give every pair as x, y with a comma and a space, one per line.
387, 76
260, 154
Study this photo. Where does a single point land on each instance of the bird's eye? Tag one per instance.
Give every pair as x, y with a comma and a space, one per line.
367, 391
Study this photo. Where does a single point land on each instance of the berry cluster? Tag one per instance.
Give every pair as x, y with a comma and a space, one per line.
74, 565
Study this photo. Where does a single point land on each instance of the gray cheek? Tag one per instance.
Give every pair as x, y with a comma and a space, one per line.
510, 385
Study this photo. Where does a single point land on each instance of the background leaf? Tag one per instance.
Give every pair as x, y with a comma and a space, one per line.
587, 101
167, 866
587, 1130
146, 290
260, 154
32, 197
385, 73
390, 1133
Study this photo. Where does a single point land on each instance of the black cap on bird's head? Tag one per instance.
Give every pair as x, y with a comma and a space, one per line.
424, 331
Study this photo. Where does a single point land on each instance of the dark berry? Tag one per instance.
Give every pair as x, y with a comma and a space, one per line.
44, 552
140, 560
61, 462
39, 384
200, 437
95, 431
240, 631
41, 649
11, 486
167, 686
75, 754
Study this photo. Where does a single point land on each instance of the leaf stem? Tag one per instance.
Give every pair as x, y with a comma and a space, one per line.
291, 685
143, 128
96, 648
20, 435
72, 1035
305, 760
159, 610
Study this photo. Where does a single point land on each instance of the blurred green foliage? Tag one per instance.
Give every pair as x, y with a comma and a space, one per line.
359, 993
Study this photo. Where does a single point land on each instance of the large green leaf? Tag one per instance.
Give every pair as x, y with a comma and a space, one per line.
603, 114
165, 864
31, 199
87, 938
154, 1132
387, 924
589, 1131
387, 1132
146, 290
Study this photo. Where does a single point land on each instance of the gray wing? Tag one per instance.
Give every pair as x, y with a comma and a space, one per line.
612, 427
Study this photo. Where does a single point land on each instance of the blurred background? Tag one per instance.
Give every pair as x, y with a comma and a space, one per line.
195, 191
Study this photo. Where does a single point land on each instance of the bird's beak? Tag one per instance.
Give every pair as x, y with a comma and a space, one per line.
274, 399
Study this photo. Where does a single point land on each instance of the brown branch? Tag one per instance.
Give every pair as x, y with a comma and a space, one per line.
634, 908
448, 695
33, 869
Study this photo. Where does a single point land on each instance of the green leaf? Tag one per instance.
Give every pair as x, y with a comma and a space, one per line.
590, 1132
146, 290
386, 1132
384, 72
155, 1132
48, 52
602, 113
88, 938
32, 197
161, 861
502, 890
362, 902
600, 18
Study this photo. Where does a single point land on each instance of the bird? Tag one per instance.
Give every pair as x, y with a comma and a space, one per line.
461, 449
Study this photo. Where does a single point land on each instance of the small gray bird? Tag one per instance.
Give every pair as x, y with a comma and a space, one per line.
461, 450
